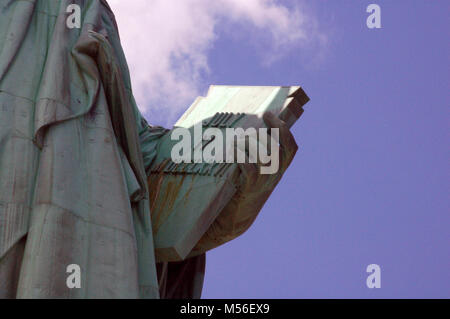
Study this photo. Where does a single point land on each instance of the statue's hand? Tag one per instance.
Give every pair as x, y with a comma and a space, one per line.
288, 146
251, 178
253, 191
255, 188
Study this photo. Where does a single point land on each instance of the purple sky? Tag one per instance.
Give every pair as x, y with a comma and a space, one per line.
370, 183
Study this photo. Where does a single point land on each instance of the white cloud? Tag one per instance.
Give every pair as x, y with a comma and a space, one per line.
167, 43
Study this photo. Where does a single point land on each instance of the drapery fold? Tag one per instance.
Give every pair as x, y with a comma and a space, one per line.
71, 168
73, 153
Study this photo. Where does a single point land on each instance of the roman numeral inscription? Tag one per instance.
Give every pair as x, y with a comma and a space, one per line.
203, 169
222, 120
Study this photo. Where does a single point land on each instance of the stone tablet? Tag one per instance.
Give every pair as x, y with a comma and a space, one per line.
186, 198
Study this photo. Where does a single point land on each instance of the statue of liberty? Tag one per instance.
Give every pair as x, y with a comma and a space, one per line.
74, 154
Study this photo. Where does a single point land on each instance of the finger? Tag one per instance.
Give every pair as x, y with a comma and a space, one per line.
286, 138
288, 145
249, 175
248, 145
249, 169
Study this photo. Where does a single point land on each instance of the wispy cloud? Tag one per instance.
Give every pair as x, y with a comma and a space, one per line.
167, 43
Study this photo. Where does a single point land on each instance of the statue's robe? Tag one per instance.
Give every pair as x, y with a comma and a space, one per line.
74, 157
73, 154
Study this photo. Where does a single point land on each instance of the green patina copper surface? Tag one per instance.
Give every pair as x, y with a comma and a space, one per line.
187, 198
78, 169
72, 174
